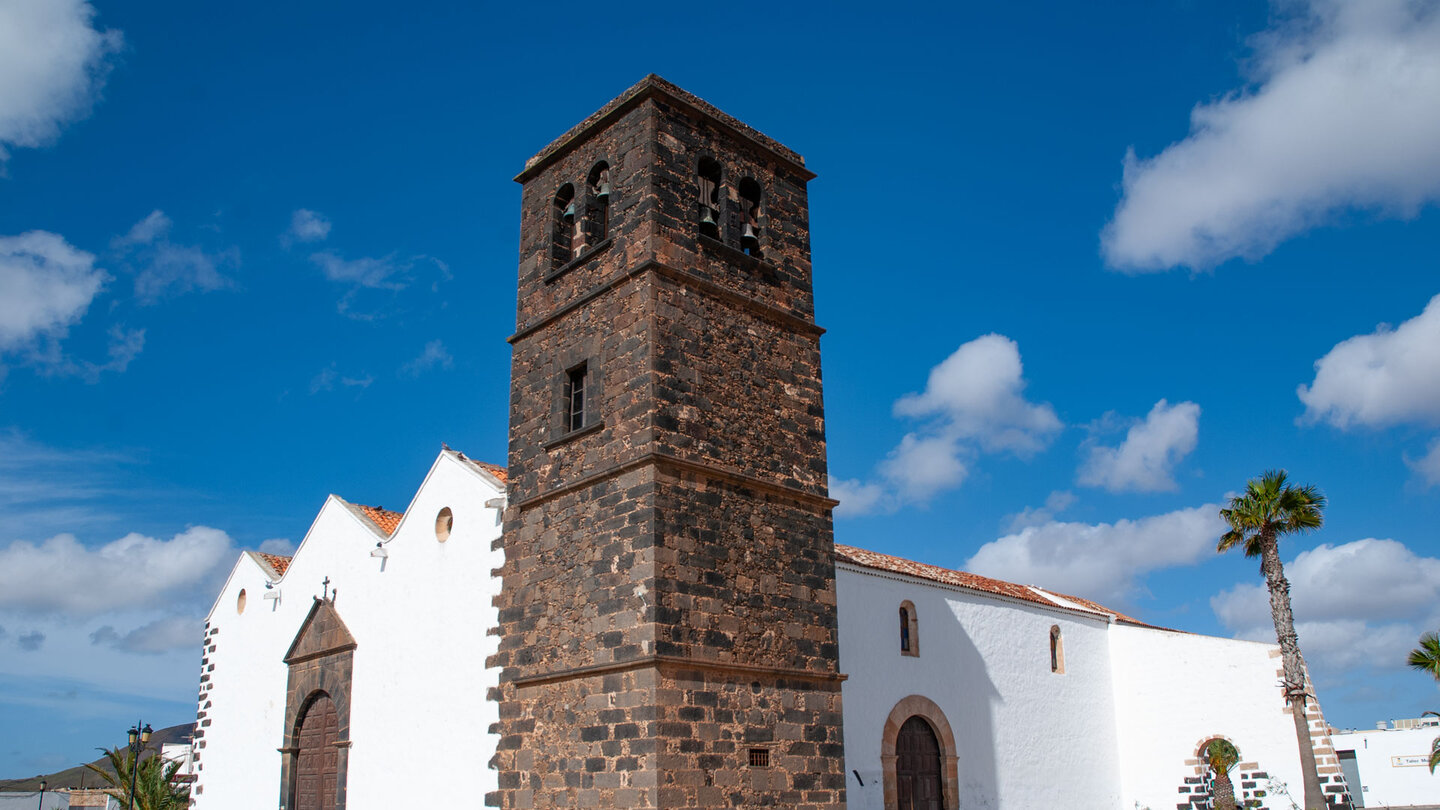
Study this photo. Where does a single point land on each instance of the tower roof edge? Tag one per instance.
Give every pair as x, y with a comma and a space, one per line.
650, 86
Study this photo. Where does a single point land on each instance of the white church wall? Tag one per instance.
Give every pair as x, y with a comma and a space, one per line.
1393, 765
1026, 737
419, 713
1174, 691
418, 709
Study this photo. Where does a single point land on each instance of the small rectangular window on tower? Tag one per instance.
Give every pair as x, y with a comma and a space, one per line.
574, 397
759, 757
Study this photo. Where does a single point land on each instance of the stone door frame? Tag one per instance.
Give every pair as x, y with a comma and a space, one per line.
927, 710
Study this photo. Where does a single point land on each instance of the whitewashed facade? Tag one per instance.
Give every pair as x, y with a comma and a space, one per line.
1392, 765
1114, 719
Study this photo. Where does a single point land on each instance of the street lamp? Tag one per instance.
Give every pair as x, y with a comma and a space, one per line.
139, 737
42, 795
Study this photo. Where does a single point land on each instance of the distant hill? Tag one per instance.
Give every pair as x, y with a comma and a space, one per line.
80, 776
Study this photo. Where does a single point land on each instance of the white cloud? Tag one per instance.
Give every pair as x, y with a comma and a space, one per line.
154, 226
435, 355
307, 226
1055, 503
278, 545
163, 635
978, 392
1101, 561
1342, 116
973, 403
46, 285
1146, 460
61, 575
1428, 465
53, 63
379, 274
166, 268
1388, 377
328, 377
1359, 604
857, 497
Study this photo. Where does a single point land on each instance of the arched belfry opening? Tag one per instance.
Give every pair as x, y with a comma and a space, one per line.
597, 213
315, 758
750, 215
563, 228
707, 177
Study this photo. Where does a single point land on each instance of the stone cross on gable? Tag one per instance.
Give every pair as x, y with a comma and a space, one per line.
326, 583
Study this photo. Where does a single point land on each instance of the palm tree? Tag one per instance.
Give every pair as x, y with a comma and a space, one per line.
1221, 755
1426, 658
155, 787
1269, 509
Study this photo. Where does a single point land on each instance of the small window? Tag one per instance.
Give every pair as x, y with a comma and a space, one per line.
444, 523
240, 602
576, 380
750, 212
1057, 650
909, 629
708, 177
597, 215
759, 757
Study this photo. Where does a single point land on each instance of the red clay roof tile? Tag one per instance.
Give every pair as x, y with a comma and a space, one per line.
382, 517
275, 561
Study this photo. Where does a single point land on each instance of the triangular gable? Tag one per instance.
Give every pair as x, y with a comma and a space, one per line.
322, 633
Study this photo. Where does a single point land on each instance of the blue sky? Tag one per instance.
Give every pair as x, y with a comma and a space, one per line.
1085, 269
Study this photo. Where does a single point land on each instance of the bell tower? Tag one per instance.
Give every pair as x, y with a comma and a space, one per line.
667, 616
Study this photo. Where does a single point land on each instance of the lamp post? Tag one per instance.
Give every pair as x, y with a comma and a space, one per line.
139, 737
42, 795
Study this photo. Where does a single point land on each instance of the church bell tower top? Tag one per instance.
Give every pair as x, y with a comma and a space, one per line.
649, 87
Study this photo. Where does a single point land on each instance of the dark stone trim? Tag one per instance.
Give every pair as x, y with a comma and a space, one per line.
677, 662
787, 319
574, 434
738, 257
583, 258
701, 468
653, 86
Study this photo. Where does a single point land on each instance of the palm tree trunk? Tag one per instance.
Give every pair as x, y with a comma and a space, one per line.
1294, 666
1222, 790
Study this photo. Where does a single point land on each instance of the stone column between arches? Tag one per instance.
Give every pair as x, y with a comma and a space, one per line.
923, 707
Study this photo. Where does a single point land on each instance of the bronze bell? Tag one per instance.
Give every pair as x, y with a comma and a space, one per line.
603, 192
569, 211
748, 239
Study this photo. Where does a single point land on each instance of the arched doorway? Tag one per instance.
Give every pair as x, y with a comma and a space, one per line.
317, 770
918, 758
917, 766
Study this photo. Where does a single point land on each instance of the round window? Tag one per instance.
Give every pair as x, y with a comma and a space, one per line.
444, 522
240, 602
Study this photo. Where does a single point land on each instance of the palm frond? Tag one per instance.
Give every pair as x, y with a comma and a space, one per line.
1426, 657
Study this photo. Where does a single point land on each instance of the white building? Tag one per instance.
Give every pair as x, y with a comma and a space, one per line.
1390, 764
1035, 699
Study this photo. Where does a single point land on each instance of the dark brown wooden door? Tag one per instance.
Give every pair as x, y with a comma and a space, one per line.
917, 767
318, 770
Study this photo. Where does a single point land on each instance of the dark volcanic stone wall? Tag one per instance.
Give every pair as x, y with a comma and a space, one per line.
667, 620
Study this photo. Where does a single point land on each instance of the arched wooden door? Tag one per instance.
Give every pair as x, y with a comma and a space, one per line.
317, 771
917, 767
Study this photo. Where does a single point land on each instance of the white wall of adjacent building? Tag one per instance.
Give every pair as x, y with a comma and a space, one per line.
421, 629
1393, 766
1025, 736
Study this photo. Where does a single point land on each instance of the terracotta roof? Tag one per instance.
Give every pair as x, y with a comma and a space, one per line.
275, 561
1099, 608
382, 517
965, 579
494, 469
